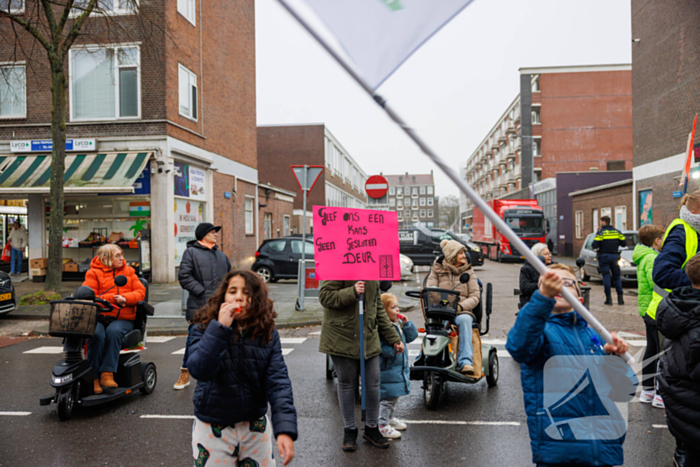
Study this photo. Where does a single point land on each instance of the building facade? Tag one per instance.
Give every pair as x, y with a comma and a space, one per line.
341, 183
413, 197
564, 119
665, 90
162, 134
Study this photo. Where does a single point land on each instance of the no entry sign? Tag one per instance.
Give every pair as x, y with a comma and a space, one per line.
376, 186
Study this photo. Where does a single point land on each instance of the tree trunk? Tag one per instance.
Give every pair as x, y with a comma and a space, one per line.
58, 163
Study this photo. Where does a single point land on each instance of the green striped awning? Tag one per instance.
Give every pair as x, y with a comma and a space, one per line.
84, 173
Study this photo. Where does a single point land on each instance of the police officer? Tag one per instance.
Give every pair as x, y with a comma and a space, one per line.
607, 241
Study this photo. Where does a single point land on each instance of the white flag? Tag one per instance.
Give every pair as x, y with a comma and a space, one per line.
379, 35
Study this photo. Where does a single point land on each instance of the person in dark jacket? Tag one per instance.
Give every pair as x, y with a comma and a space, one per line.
202, 269
555, 349
236, 357
608, 241
529, 276
678, 319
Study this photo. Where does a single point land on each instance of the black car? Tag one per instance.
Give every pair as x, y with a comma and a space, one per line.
422, 245
278, 258
8, 298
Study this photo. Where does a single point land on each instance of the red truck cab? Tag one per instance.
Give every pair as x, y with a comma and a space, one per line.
524, 216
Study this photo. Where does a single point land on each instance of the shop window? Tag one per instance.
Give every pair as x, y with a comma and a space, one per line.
267, 226
13, 91
105, 83
12, 6
579, 224
187, 8
249, 216
286, 220
187, 86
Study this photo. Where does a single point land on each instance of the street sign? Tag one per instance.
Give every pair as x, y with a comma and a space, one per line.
376, 186
677, 194
307, 176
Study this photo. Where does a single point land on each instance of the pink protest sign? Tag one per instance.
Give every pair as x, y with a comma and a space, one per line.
356, 244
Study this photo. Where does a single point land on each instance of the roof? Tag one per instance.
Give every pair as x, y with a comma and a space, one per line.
408, 179
602, 187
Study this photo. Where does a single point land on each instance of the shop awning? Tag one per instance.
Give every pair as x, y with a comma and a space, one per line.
113, 172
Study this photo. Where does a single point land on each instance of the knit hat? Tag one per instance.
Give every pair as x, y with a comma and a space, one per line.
451, 248
204, 228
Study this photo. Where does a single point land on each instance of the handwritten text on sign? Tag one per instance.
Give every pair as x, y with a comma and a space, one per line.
356, 244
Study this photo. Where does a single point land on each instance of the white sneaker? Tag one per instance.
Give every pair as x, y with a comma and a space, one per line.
646, 397
658, 402
388, 432
397, 424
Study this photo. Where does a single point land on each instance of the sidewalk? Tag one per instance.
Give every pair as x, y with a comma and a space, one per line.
169, 317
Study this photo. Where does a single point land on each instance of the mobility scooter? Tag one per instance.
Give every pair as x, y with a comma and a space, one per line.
75, 319
437, 362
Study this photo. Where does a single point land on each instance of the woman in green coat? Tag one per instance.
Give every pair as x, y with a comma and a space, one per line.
340, 338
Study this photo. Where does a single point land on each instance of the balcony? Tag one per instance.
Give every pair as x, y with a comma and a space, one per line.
510, 152
502, 136
399, 195
510, 127
518, 144
516, 119
494, 142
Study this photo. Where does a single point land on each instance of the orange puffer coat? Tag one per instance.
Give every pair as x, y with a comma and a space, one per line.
100, 278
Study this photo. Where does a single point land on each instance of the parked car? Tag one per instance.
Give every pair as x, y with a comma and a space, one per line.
628, 270
422, 244
406, 267
8, 298
278, 258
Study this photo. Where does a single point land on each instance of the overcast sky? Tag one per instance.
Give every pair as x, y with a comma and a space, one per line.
451, 91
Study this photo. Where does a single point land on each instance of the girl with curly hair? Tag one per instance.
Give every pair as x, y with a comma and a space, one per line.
236, 357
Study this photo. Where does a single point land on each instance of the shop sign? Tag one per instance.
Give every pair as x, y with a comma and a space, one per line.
190, 182
197, 183
188, 214
43, 145
182, 185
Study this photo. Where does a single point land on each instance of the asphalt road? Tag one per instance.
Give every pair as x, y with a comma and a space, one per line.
474, 425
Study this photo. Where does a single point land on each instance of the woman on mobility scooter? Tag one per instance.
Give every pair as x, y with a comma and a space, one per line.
105, 345
445, 274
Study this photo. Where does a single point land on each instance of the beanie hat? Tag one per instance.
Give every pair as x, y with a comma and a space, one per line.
451, 248
204, 228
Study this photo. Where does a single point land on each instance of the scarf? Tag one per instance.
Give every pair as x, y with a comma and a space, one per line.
457, 271
692, 219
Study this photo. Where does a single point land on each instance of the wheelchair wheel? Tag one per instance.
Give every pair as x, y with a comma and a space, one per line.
150, 378
492, 378
432, 387
66, 402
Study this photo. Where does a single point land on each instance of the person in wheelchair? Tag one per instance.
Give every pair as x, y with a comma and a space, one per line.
105, 345
445, 274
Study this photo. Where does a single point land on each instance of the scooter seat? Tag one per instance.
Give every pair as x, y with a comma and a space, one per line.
132, 338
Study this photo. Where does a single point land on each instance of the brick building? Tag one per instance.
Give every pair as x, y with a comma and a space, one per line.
162, 122
588, 206
564, 119
341, 183
413, 197
665, 90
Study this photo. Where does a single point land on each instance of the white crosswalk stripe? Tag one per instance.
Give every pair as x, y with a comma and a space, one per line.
179, 352
159, 339
15, 414
287, 351
46, 350
292, 340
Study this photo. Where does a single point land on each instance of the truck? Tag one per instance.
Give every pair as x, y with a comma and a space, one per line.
524, 216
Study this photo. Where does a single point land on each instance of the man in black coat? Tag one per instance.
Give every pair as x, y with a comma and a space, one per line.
678, 319
202, 269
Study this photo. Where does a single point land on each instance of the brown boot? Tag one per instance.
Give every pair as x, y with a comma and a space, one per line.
467, 370
98, 388
184, 380
107, 380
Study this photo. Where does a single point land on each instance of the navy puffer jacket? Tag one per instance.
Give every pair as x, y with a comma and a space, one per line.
236, 377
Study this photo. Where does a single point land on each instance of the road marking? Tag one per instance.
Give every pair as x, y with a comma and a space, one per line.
179, 352
292, 340
503, 354
413, 353
159, 339
316, 333
629, 334
493, 342
659, 426
287, 351
170, 417
46, 350
458, 422
637, 343
15, 414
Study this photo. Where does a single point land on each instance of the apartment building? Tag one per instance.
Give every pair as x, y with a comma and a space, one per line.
341, 184
161, 129
413, 197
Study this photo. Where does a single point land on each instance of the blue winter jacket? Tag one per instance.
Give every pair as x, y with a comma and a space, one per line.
668, 271
236, 377
395, 376
539, 335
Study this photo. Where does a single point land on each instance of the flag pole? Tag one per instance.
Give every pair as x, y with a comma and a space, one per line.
461, 184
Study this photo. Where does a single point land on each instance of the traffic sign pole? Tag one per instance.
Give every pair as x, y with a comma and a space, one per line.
302, 277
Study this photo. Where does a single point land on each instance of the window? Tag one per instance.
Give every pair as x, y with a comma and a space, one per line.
187, 85
407, 191
430, 190
596, 219
616, 165
277, 245
620, 217
579, 224
13, 6
422, 201
400, 207
249, 216
422, 190
538, 175
536, 84
267, 226
392, 202
536, 145
430, 213
13, 91
415, 202
187, 9
392, 190
536, 116
415, 191
422, 212
285, 229
430, 201
407, 202
105, 83
296, 248
109, 7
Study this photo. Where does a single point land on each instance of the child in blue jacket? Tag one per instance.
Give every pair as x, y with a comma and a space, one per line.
395, 371
570, 385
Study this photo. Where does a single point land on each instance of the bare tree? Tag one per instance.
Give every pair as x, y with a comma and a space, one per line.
54, 26
449, 211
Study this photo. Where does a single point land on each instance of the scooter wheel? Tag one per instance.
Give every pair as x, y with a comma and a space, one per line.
432, 387
150, 378
66, 403
492, 378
